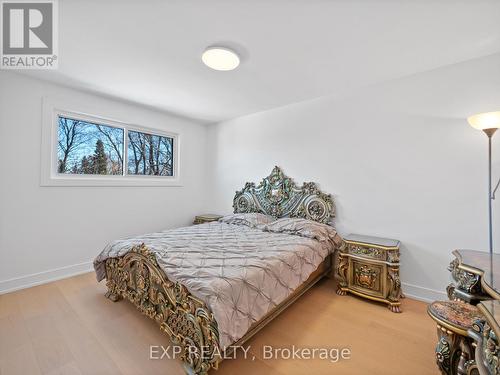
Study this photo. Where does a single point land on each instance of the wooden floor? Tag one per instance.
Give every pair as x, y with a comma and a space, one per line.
69, 327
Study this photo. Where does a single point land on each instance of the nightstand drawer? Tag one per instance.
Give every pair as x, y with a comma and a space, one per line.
366, 251
367, 278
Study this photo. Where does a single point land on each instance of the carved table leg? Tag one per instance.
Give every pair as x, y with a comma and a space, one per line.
465, 356
443, 355
394, 308
470, 367
452, 352
395, 292
341, 292
342, 267
112, 296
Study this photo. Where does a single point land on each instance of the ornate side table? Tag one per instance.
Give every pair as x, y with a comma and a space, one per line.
454, 350
476, 280
207, 218
369, 267
485, 332
467, 272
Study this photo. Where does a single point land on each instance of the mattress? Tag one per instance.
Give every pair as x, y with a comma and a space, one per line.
240, 272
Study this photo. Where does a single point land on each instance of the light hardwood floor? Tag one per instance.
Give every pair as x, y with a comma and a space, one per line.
69, 327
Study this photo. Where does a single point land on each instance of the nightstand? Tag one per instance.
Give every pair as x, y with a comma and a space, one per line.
369, 267
200, 219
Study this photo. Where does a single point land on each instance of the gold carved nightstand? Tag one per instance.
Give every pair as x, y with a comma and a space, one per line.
369, 267
200, 219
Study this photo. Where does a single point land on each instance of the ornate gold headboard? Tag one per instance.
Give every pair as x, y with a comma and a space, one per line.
277, 195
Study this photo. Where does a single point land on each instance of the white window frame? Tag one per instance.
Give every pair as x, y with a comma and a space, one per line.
50, 133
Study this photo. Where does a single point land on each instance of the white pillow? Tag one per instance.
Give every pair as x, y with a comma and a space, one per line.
251, 219
304, 228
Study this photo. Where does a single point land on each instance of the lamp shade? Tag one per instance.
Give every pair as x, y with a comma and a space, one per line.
487, 120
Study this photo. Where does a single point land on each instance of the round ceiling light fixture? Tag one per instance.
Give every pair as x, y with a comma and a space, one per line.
220, 58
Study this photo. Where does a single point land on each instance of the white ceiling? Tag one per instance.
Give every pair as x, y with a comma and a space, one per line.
149, 51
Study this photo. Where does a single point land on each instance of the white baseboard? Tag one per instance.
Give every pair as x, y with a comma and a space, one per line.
412, 291
34, 279
423, 294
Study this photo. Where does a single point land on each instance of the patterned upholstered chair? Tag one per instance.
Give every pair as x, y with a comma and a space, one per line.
454, 351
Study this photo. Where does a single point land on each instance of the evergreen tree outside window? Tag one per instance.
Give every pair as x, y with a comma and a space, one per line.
100, 158
88, 148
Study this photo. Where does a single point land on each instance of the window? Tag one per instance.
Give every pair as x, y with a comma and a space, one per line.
87, 148
150, 154
84, 150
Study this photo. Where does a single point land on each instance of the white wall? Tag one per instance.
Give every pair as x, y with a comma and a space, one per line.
399, 158
50, 232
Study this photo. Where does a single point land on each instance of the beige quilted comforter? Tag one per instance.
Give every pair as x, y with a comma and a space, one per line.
240, 272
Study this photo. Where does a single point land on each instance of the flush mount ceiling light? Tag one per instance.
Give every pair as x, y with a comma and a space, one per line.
220, 58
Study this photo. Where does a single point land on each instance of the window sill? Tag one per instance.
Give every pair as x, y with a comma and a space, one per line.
139, 181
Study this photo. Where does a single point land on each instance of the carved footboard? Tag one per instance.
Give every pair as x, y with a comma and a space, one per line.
137, 277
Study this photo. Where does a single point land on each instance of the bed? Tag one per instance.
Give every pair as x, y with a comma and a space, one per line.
211, 287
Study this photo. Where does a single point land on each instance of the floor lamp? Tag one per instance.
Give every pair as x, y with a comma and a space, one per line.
488, 122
